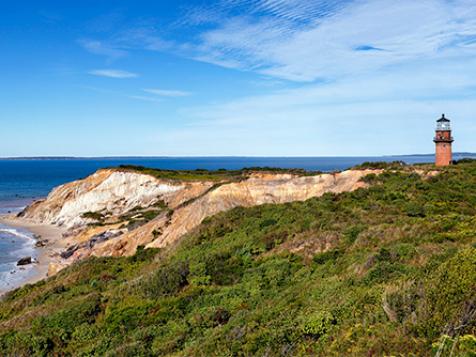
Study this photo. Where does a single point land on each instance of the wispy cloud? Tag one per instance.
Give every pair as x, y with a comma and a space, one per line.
298, 10
337, 40
369, 113
113, 73
308, 40
167, 92
145, 98
121, 94
102, 48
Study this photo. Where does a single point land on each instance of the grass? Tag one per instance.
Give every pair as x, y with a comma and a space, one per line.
389, 270
208, 175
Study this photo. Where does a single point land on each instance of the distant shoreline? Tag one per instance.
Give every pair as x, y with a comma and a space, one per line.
219, 157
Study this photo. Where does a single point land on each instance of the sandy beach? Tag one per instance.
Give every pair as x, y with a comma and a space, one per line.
46, 254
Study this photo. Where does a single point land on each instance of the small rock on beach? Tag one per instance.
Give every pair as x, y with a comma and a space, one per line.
24, 261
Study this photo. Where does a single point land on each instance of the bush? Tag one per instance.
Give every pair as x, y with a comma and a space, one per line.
415, 210
58, 327
143, 255
351, 234
97, 216
379, 165
125, 317
330, 255
166, 280
273, 239
318, 324
384, 271
451, 294
224, 269
370, 179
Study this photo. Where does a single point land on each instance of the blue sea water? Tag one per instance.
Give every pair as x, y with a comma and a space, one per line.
15, 243
23, 180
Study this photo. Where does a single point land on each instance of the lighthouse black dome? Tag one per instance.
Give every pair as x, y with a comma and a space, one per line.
443, 119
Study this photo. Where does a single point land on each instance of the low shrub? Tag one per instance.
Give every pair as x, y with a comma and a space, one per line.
166, 280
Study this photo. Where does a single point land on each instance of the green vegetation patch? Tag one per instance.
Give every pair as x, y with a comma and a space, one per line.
210, 175
392, 272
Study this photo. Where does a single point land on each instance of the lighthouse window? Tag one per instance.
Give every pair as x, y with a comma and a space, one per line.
443, 126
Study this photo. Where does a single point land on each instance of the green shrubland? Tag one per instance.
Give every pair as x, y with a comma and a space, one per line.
384, 271
220, 175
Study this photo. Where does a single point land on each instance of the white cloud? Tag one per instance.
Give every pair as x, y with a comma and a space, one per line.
145, 98
167, 92
113, 73
102, 48
307, 40
382, 113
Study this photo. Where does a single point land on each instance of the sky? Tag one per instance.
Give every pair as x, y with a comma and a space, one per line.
235, 77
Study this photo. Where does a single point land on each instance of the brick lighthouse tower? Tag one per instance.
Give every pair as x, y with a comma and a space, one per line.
443, 141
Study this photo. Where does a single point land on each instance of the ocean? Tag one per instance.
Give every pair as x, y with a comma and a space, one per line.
24, 180
15, 243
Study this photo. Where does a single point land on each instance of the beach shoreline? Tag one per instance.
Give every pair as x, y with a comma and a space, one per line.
46, 254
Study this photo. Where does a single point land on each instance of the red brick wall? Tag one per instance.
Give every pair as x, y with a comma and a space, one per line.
444, 154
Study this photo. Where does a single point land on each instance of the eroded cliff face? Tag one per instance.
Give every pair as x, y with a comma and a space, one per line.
177, 207
256, 190
109, 192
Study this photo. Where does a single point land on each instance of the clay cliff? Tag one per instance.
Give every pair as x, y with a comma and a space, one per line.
112, 212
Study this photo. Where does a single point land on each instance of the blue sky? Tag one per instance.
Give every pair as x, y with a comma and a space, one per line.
235, 77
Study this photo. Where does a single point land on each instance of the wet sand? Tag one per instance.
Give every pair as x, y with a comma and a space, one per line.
46, 254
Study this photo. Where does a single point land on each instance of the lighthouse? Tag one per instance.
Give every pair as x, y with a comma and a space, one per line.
443, 141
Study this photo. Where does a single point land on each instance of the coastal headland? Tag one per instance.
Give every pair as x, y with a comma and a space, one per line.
113, 211
376, 260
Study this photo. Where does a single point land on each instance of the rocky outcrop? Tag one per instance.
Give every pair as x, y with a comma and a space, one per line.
115, 193
109, 192
24, 261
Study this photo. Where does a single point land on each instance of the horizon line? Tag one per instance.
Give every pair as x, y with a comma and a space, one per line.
60, 157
